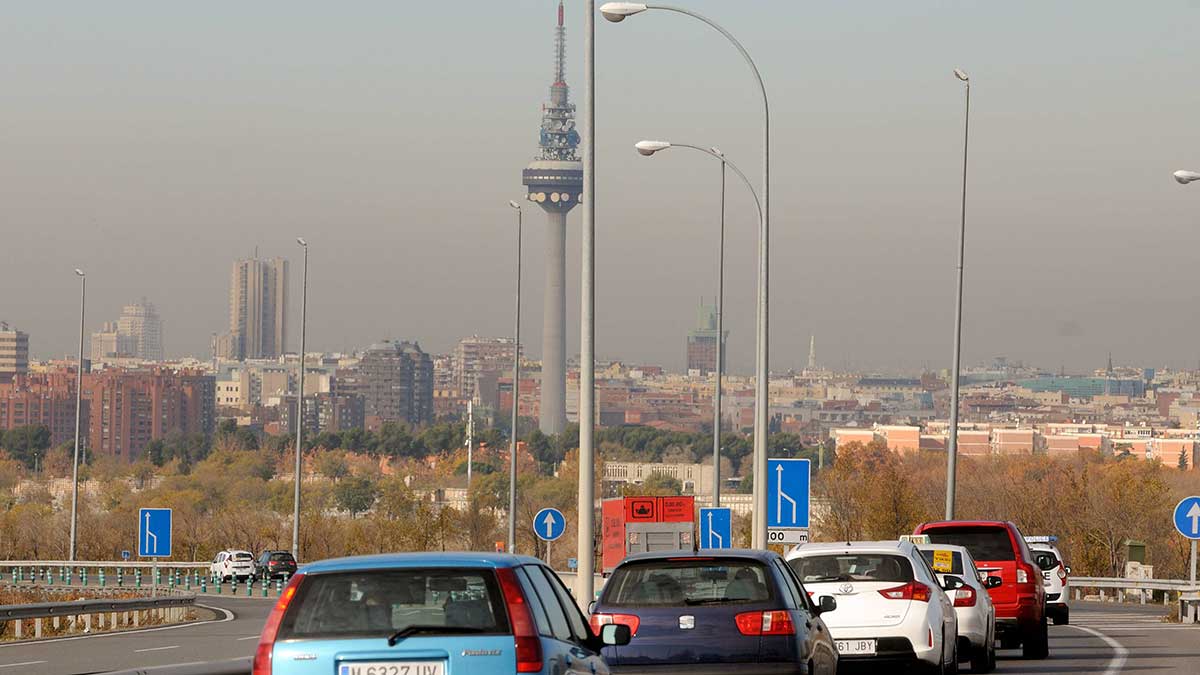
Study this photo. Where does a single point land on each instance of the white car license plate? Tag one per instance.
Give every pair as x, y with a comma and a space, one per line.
393, 668
858, 647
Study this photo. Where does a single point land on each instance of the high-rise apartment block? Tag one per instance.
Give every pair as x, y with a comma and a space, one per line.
129, 408
136, 334
14, 352
702, 342
257, 310
43, 399
395, 381
481, 356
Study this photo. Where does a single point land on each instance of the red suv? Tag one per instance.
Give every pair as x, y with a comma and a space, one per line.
1000, 550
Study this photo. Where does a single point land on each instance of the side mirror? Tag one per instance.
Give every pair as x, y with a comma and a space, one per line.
826, 603
993, 582
615, 635
952, 583
1067, 570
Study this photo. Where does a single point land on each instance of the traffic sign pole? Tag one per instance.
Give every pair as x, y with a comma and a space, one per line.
1193, 562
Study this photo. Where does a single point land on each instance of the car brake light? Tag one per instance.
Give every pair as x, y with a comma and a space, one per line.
266, 641
529, 646
964, 597
631, 620
1062, 573
777, 622
913, 590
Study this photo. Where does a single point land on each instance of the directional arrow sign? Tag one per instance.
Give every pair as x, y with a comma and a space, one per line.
716, 529
549, 524
154, 533
1187, 517
787, 493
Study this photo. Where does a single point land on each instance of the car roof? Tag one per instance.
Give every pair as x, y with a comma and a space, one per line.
1007, 524
887, 546
747, 553
402, 560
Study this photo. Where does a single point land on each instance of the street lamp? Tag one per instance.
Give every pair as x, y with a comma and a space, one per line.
649, 148
617, 12
585, 541
300, 403
78, 413
952, 444
516, 386
1185, 177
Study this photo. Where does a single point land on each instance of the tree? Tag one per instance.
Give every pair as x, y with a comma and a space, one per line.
1182, 464
656, 484
26, 444
356, 494
332, 464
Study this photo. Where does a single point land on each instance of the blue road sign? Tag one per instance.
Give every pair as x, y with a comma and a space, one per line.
1187, 517
126, 555
787, 493
154, 533
716, 528
549, 524
572, 564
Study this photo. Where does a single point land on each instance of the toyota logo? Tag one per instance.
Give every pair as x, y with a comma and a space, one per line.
845, 589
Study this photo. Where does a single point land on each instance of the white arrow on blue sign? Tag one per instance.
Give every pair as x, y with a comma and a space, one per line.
787, 493
1187, 517
549, 524
154, 533
716, 528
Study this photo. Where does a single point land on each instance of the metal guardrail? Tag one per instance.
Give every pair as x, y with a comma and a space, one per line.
1135, 584
109, 614
103, 564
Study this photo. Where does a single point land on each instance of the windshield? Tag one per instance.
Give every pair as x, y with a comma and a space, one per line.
243, 557
852, 567
943, 561
984, 543
282, 557
690, 582
382, 602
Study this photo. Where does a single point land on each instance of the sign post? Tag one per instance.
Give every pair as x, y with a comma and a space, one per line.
788, 483
549, 524
154, 539
1187, 522
716, 528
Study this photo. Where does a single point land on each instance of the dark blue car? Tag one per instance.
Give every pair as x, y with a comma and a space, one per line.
699, 613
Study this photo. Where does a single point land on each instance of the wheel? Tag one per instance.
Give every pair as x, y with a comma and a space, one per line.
983, 658
952, 667
1036, 644
1062, 616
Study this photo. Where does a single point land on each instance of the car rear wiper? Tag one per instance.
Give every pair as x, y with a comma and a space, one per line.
706, 601
413, 630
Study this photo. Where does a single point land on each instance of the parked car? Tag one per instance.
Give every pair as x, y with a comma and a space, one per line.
1054, 576
430, 614
972, 603
999, 550
274, 564
714, 611
891, 608
230, 565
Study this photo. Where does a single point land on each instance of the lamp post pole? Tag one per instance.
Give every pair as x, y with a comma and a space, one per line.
78, 413
300, 404
586, 516
720, 349
516, 388
952, 443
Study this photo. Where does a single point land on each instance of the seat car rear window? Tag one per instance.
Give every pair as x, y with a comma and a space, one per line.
938, 563
688, 582
381, 602
852, 567
984, 543
242, 557
281, 557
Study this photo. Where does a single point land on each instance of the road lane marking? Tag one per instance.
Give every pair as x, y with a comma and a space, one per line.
248, 637
23, 663
1120, 653
154, 649
229, 616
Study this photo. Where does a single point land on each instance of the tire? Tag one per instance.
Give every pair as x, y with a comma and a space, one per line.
983, 659
1062, 616
1036, 644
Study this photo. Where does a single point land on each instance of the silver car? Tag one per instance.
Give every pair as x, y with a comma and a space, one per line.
972, 603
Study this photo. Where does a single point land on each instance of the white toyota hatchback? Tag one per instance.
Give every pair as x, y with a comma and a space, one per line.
890, 607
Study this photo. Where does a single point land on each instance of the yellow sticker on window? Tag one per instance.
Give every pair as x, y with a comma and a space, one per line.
943, 561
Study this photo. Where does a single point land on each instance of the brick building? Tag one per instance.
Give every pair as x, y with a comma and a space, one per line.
130, 408
44, 399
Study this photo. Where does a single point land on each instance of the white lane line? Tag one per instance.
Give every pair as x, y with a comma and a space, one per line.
1120, 653
154, 649
23, 663
228, 617
248, 637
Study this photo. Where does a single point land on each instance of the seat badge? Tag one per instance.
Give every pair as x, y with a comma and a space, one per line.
687, 622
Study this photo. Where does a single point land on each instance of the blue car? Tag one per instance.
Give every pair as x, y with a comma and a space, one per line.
714, 612
430, 614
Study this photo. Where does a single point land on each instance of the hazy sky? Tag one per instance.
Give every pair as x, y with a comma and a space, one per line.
152, 143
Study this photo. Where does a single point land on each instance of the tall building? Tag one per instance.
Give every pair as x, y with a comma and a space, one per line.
555, 182
129, 408
109, 343
14, 352
257, 310
141, 325
42, 399
702, 341
395, 381
812, 353
479, 356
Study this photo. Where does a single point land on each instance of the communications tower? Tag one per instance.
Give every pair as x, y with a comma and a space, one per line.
554, 181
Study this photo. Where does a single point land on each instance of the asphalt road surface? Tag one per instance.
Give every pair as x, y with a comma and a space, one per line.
1102, 638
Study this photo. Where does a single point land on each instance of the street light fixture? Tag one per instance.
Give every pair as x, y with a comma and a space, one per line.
952, 443
1184, 177
516, 387
78, 413
300, 404
617, 12
649, 148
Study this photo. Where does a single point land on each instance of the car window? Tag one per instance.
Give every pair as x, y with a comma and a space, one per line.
535, 603
984, 542
243, 557
578, 625
381, 602
852, 567
1046, 560
685, 582
559, 627
282, 557
792, 585
924, 569
944, 562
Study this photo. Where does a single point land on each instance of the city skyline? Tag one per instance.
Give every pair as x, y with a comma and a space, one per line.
1075, 224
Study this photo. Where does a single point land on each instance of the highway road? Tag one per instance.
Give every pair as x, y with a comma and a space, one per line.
1102, 638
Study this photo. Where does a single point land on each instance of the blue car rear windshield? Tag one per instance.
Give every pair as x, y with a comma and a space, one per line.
683, 583
382, 602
